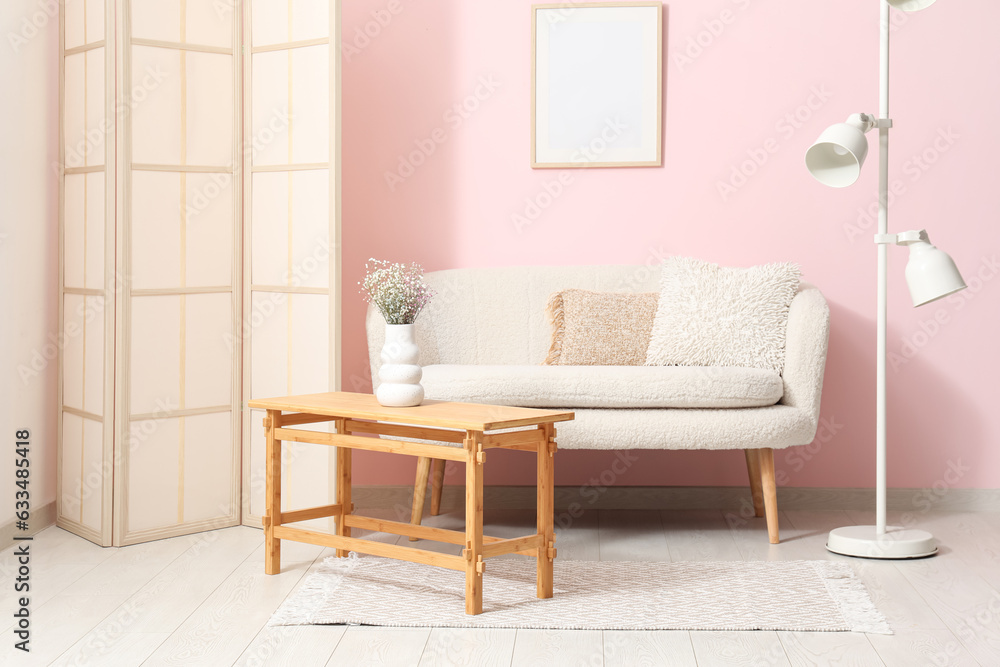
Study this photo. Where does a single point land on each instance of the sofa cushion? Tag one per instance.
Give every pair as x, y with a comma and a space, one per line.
604, 386
600, 328
774, 426
710, 315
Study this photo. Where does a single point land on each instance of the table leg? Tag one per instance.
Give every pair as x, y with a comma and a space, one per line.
546, 510
437, 485
419, 492
474, 565
272, 512
343, 486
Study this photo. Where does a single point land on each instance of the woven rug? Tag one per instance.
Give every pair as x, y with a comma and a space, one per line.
821, 596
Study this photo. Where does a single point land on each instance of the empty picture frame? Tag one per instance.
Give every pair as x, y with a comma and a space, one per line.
596, 85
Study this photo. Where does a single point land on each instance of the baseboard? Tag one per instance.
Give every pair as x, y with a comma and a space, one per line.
636, 498
40, 518
690, 497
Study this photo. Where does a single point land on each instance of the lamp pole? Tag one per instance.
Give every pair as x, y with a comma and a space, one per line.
883, 273
835, 160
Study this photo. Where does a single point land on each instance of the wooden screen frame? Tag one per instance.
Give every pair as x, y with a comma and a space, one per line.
104, 534
123, 414
334, 289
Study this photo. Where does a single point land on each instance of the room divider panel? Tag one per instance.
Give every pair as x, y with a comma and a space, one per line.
292, 298
199, 254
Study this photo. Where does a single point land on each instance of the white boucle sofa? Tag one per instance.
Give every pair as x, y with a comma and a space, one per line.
485, 334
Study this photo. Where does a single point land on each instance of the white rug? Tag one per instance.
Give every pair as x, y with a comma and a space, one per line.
591, 595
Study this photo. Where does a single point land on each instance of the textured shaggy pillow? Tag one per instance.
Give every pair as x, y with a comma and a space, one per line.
600, 328
710, 315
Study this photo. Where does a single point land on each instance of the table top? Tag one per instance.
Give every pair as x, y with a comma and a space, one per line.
443, 414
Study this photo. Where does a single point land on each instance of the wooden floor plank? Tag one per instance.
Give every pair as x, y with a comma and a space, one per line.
56, 626
543, 648
738, 649
750, 535
803, 535
829, 649
971, 537
469, 647
808, 532
921, 637
578, 537
646, 648
909, 648
380, 647
125, 648
130, 568
292, 646
968, 605
632, 535
221, 628
160, 606
951, 586
47, 582
698, 535
54, 545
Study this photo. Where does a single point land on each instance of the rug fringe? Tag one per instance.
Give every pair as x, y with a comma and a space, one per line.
855, 604
334, 569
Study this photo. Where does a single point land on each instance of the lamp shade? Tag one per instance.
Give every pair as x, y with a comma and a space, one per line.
911, 5
836, 157
931, 273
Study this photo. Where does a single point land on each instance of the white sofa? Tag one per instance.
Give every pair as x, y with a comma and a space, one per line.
485, 334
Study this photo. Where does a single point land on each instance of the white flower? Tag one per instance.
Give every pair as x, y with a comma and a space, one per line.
397, 290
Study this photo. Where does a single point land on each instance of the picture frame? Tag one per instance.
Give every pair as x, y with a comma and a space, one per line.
596, 85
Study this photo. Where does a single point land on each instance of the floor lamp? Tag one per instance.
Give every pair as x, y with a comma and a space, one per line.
835, 160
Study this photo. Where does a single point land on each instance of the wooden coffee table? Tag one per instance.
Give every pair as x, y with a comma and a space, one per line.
464, 431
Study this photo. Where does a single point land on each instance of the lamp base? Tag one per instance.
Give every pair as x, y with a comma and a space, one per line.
895, 543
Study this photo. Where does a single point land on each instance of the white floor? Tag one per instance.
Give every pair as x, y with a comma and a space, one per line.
205, 600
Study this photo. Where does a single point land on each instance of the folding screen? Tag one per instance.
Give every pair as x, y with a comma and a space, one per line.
87, 291
291, 235
182, 302
172, 173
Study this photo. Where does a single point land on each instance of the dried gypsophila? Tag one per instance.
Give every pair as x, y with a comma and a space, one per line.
397, 290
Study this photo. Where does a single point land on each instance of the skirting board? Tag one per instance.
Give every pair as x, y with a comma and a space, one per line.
43, 517
691, 497
640, 497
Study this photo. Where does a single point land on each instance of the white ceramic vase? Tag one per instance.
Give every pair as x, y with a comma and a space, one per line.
400, 372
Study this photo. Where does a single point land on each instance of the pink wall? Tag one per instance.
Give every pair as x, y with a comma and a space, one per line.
774, 75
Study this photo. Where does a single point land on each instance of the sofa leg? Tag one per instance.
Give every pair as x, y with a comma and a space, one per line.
753, 470
419, 491
437, 485
770, 492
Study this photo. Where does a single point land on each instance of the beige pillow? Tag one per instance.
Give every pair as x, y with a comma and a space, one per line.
710, 315
600, 328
